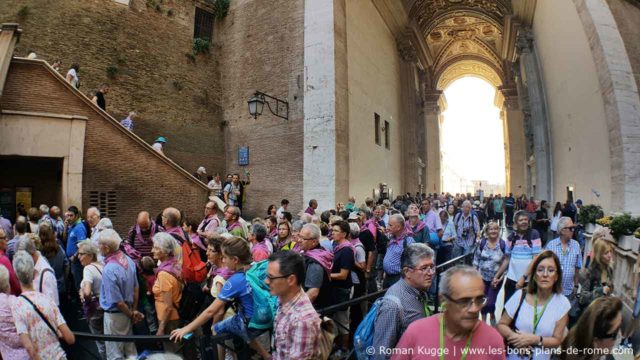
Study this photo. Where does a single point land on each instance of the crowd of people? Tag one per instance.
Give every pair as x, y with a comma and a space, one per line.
188, 276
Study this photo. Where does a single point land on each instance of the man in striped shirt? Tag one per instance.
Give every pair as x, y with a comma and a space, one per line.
297, 324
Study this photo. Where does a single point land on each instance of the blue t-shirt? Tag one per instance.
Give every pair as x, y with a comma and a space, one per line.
238, 289
76, 233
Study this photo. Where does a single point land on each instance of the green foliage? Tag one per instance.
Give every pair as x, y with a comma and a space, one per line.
190, 57
222, 8
24, 11
112, 71
200, 46
590, 213
624, 224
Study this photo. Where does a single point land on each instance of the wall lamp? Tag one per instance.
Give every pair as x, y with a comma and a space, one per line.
256, 105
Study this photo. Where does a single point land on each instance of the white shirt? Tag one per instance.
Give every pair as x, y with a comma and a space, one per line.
157, 147
91, 275
74, 76
279, 212
49, 283
557, 308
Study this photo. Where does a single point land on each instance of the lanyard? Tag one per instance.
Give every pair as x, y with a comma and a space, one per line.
536, 318
427, 312
466, 347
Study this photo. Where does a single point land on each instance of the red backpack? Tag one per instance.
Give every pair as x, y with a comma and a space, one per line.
193, 268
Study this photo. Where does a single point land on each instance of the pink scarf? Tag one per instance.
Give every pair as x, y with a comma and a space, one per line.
343, 245
224, 272
118, 258
234, 226
171, 266
355, 242
273, 234
152, 232
260, 246
421, 225
196, 240
371, 226
176, 231
323, 257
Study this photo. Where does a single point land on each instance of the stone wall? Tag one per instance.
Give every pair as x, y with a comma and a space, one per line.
147, 46
578, 130
114, 160
261, 48
627, 16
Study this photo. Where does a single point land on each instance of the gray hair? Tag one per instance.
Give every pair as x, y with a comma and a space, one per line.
562, 223
165, 242
355, 230
260, 231
297, 225
44, 209
415, 252
305, 218
445, 281
465, 203
397, 217
314, 229
27, 244
88, 247
93, 208
4, 280
23, 266
104, 224
110, 239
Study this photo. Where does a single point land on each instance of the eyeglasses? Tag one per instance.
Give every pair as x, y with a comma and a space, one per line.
542, 271
467, 302
570, 228
208, 208
81, 254
429, 269
306, 239
271, 278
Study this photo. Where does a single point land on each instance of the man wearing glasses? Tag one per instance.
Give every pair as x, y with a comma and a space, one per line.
297, 325
406, 300
568, 251
457, 333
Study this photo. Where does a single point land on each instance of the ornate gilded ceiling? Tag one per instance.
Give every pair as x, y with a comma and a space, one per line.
462, 31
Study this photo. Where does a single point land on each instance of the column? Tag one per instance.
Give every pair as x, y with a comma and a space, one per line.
515, 145
432, 140
541, 169
326, 137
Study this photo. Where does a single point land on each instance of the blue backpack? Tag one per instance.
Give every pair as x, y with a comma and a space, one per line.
363, 337
265, 305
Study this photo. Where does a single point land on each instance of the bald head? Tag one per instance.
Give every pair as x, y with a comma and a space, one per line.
143, 220
54, 212
170, 218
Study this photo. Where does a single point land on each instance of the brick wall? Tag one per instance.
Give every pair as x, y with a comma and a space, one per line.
113, 160
261, 48
175, 97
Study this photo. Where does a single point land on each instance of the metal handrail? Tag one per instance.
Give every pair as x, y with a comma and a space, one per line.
324, 311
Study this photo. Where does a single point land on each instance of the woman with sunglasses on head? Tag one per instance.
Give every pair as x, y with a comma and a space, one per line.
597, 331
534, 320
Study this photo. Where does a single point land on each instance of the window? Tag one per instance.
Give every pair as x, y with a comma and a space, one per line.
387, 136
105, 201
377, 128
203, 25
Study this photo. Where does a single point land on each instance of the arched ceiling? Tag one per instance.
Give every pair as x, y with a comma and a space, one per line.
463, 34
464, 68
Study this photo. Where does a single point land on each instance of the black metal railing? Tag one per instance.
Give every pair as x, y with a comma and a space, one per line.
220, 339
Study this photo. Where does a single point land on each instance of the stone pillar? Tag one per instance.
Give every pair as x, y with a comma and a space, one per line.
409, 115
533, 94
326, 136
514, 139
432, 140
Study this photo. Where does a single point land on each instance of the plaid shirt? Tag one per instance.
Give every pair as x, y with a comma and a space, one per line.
569, 260
297, 330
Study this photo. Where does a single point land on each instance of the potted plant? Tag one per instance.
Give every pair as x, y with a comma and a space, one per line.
622, 227
588, 216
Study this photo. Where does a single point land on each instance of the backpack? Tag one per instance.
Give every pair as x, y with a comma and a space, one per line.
512, 237
265, 305
363, 337
190, 305
483, 244
194, 270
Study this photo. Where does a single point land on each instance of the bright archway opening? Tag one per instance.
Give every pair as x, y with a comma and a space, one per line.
472, 139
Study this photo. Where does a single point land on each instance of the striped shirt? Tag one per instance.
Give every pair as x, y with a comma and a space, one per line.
570, 260
520, 254
297, 330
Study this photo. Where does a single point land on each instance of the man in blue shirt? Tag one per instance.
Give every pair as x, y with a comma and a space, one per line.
118, 295
399, 238
76, 232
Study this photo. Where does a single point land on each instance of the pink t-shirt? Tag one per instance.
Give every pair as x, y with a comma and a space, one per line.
422, 341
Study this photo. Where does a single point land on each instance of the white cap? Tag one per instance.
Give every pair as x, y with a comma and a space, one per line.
202, 170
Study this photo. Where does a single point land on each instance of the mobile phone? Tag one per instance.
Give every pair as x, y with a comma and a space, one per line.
188, 336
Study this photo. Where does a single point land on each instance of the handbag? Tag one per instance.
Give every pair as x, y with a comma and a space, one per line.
512, 326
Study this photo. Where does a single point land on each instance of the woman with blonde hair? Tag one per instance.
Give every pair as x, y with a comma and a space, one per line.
597, 279
597, 330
